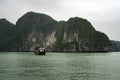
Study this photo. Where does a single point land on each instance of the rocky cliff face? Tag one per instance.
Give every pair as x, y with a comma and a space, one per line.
35, 29
77, 34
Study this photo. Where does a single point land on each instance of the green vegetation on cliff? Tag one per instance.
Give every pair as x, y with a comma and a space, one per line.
6, 32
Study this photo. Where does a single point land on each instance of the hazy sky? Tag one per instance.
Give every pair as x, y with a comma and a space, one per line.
103, 14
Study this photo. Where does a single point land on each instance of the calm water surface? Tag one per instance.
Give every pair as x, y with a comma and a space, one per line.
59, 66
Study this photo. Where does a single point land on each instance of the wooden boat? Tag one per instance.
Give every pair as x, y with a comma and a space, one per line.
39, 51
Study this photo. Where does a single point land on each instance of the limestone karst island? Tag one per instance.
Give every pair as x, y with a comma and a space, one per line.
33, 29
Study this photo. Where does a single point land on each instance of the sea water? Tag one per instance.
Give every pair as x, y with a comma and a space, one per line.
59, 66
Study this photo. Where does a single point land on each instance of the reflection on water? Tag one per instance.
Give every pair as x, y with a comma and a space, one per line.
59, 66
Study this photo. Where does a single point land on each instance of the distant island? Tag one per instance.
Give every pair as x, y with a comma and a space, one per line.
115, 45
33, 29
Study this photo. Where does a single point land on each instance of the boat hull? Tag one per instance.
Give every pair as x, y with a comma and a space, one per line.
39, 53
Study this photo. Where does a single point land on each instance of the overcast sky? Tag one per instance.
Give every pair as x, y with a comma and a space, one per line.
103, 14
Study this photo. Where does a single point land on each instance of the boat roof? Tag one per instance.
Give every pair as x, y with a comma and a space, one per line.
41, 48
